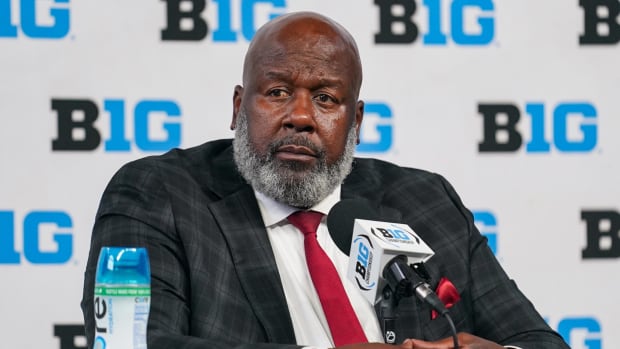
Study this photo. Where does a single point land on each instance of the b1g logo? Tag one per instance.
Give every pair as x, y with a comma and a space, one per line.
184, 19
70, 335
36, 19
600, 19
376, 132
363, 262
486, 223
396, 25
573, 125
35, 225
77, 131
602, 234
581, 332
394, 235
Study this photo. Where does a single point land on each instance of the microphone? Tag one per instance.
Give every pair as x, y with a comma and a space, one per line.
379, 252
386, 261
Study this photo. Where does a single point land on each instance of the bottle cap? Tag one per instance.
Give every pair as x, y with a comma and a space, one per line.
123, 265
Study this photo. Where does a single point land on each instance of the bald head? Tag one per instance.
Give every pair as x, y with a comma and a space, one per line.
304, 34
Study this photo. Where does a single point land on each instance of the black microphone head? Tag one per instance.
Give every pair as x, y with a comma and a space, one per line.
341, 219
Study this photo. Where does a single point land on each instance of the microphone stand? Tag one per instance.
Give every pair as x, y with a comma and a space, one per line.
387, 312
398, 286
402, 281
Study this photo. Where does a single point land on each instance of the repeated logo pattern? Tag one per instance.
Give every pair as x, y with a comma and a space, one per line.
514, 102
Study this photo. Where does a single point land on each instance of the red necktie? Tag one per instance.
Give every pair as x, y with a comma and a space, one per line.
343, 323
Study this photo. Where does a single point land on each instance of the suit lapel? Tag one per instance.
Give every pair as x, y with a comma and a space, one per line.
239, 218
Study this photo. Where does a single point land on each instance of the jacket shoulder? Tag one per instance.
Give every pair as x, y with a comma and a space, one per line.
209, 166
375, 174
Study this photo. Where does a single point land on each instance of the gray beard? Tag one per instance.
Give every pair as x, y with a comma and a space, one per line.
283, 181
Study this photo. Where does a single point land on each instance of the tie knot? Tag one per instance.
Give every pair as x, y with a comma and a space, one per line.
306, 221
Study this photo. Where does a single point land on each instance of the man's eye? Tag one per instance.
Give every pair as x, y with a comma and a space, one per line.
324, 98
277, 93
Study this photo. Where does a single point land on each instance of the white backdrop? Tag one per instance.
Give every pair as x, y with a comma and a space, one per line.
112, 56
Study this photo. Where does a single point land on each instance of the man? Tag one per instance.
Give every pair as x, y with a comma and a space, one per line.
229, 268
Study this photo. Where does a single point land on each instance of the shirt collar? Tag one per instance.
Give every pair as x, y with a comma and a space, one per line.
274, 212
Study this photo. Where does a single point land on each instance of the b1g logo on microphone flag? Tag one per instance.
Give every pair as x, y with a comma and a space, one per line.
364, 262
373, 245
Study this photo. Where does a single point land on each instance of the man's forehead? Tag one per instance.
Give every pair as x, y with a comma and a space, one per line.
315, 50
316, 77
299, 38
299, 29
302, 38
300, 22
315, 67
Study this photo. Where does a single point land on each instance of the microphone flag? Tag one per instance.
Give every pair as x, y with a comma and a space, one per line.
373, 245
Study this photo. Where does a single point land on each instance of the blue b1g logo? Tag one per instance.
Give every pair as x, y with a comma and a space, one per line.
81, 134
393, 234
376, 132
363, 256
400, 13
486, 223
581, 332
36, 19
188, 23
33, 227
502, 120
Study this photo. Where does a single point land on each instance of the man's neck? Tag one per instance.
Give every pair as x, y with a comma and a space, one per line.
273, 211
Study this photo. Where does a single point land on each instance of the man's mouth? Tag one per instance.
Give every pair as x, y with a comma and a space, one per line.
295, 152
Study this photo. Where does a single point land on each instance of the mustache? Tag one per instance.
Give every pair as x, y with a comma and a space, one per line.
297, 140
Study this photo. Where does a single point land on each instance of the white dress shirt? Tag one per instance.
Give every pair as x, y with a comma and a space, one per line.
309, 322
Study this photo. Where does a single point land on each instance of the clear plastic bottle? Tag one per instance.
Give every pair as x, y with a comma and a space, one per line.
122, 298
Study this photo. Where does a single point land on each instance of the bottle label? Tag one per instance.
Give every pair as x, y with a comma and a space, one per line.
121, 315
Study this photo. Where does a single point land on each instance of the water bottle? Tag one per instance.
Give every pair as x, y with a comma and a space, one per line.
122, 298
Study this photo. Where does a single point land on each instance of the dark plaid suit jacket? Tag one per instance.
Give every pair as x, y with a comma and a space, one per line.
214, 278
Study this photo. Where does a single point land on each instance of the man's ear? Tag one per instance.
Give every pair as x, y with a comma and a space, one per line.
237, 97
359, 116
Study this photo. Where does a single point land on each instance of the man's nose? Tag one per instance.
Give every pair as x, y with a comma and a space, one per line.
301, 113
